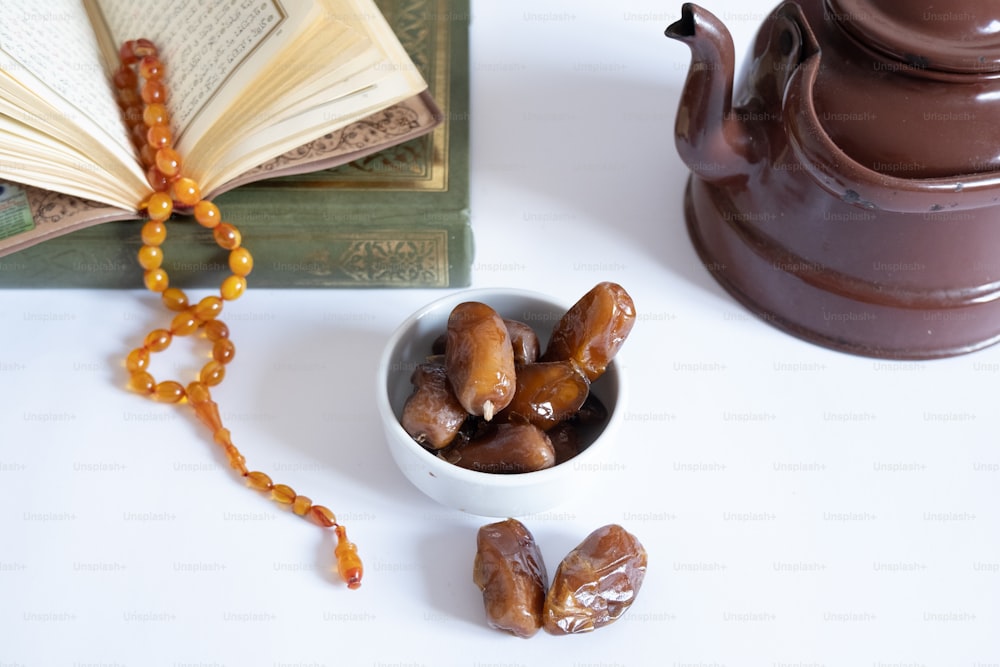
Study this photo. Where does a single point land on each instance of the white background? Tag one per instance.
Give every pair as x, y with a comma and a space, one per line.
799, 506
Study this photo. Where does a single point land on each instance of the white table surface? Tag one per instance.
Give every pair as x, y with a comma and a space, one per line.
799, 506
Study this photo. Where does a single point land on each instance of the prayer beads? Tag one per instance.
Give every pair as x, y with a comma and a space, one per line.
148, 119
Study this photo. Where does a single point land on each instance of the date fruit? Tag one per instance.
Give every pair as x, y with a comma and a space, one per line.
547, 393
593, 329
595, 583
509, 571
432, 415
505, 448
525, 342
479, 359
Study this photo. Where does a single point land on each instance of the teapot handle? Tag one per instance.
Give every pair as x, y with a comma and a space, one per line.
842, 176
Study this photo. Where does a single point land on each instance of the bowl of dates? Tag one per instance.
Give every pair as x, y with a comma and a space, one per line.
504, 402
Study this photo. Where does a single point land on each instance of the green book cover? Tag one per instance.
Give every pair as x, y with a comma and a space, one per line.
396, 218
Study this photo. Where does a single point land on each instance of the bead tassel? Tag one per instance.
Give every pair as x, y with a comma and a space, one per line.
142, 95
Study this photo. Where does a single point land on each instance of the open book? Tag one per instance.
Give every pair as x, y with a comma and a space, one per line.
258, 88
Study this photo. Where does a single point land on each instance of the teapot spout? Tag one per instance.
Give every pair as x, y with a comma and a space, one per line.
711, 140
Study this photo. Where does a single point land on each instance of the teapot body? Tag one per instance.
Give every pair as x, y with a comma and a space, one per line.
863, 210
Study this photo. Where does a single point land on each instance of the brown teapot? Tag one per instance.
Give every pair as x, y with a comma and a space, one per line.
847, 190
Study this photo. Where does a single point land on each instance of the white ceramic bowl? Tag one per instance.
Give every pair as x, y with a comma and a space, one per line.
483, 493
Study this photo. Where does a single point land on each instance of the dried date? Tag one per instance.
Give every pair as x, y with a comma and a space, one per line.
432, 414
595, 583
547, 393
479, 359
592, 331
509, 571
505, 448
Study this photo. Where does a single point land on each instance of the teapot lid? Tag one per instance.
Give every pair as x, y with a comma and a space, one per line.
960, 36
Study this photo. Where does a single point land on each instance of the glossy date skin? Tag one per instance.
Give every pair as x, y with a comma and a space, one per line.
479, 359
509, 571
432, 414
593, 329
547, 393
505, 448
595, 583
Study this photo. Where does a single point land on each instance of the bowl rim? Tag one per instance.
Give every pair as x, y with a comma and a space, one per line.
439, 467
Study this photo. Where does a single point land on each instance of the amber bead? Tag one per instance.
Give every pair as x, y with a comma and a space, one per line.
207, 214
175, 299
158, 340
168, 161
128, 97
151, 67
198, 392
238, 463
260, 481
155, 114
156, 280
283, 494
233, 287
227, 236
157, 180
241, 261
216, 330
150, 257
142, 47
126, 52
184, 323
208, 308
147, 156
224, 438
168, 392
153, 92
137, 360
154, 232
141, 382
207, 412
212, 373
322, 516
158, 136
186, 191
158, 208
223, 350
301, 505
349, 564
124, 77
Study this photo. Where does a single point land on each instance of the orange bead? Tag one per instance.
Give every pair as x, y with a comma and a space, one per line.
157, 180
260, 481
159, 207
141, 382
155, 114
349, 564
227, 236
322, 516
143, 47
168, 392
283, 494
124, 77
137, 360
233, 287
207, 214
240, 261
198, 392
148, 156
128, 97
186, 191
126, 53
184, 323
174, 299
208, 308
212, 373
154, 232
151, 67
158, 340
150, 257
223, 351
153, 92
216, 330
301, 505
156, 280
223, 438
168, 161
159, 136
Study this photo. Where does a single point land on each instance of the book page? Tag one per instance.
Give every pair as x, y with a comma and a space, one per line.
63, 91
206, 47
